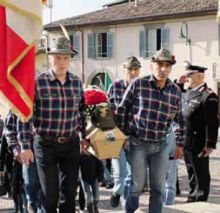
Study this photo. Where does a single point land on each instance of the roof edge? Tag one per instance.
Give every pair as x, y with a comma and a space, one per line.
138, 19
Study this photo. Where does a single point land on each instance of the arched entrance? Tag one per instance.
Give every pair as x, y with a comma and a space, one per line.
102, 80
98, 79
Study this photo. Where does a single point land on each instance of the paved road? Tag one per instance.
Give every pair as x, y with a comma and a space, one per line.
213, 205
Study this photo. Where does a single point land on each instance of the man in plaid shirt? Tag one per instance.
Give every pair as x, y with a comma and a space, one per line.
149, 106
59, 125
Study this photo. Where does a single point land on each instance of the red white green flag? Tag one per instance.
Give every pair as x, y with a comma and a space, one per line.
20, 27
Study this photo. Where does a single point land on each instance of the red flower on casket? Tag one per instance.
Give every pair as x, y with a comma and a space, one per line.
93, 97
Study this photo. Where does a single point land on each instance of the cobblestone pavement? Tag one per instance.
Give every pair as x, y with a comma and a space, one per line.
213, 205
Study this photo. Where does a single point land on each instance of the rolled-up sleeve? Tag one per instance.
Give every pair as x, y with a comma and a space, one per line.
11, 132
124, 108
24, 134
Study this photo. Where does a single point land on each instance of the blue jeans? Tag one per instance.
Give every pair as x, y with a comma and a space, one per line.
91, 191
155, 155
120, 171
170, 185
32, 184
107, 175
122, 176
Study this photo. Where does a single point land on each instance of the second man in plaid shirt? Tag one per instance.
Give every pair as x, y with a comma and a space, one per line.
149, 106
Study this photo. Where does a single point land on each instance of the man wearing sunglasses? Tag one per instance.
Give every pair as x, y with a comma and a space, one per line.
200, 111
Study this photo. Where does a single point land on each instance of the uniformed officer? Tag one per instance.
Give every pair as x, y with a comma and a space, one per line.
200, 110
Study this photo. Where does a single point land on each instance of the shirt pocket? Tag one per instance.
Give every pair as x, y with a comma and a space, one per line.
48, 98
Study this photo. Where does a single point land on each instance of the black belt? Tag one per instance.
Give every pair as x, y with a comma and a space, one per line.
57, 139
141, 141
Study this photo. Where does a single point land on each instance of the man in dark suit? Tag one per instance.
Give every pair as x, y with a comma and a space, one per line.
200, 110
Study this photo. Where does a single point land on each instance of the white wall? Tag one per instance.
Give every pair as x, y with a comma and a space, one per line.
41, 63
125, 44
202, 51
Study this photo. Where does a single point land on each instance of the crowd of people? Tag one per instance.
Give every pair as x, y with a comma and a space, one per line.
163, 120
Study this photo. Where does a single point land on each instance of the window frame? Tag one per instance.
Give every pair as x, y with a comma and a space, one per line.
97, 45
146, 47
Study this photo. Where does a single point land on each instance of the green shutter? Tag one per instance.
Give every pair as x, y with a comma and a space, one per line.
110, 44
165, 38
142, 43
71, 40
91, 46
76, 43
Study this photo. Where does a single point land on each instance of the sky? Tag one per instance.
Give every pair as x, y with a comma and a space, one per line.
70, 8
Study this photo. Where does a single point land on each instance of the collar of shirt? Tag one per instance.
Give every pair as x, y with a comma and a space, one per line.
125, 83
198, 87
52, 76
153, 79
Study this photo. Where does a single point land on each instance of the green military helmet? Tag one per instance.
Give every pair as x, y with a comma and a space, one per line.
132, 62
61, 45
164, 55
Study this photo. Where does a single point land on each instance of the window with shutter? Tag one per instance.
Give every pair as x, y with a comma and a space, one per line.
153, 39
74, 38
100, 45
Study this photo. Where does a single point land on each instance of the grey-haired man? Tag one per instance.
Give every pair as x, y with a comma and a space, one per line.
201, 118
58, 121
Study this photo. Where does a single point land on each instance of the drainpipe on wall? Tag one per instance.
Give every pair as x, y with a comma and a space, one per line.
184, 34
116, 53
83, 56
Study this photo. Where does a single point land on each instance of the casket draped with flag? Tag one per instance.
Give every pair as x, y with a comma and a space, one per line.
20, 27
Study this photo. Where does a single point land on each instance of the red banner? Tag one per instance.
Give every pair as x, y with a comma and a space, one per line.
44, 1
17, 61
